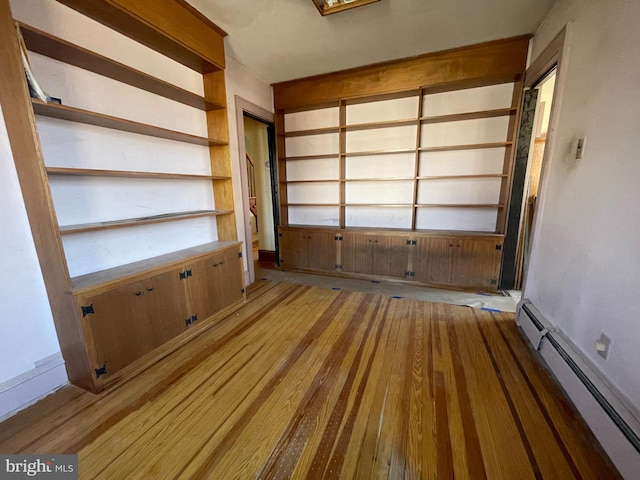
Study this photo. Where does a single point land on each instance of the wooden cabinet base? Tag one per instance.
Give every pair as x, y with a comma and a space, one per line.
128, 315
453, 260
157, 354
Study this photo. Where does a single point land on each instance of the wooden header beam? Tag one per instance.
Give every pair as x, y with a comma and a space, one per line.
166, 26
474, 65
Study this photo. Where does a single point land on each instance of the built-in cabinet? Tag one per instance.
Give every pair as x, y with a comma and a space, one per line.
129, 311
409, 162
440, 259
310, 249
374, 253
463, 261
133, 221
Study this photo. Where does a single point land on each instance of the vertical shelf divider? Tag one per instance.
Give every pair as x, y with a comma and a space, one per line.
343, 164
509, 156
414, 209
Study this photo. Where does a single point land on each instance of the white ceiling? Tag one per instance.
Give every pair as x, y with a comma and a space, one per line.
286, 39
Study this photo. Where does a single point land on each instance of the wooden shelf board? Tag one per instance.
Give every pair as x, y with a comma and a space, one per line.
64, 112
311, 181
136, 28
86, 172
45, 44
458, 233
500, 112
315, 131
378, 152
473, 146
386, 124
386, 205
383, 179
444, 177
311, 205
311, 157
132, 222
459, 205
124, 272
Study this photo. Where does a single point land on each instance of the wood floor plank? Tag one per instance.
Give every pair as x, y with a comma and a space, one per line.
575, 442
548, 463
209, 418
314, 383
497, 428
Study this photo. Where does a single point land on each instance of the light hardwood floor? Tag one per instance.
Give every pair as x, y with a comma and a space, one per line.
307, 382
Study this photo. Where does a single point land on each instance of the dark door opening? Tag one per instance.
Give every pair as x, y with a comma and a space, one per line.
532, 137
259, 139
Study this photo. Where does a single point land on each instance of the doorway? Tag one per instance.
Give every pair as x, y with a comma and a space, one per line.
545, 89
259, 189
257, 155
535, 117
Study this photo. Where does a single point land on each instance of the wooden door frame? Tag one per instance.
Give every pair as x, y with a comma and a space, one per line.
246, 107
547, 60
551, 57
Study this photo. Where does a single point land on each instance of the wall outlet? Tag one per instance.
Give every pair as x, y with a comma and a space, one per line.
602, 345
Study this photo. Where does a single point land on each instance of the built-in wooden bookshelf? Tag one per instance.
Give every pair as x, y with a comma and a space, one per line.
96, 324
422, 145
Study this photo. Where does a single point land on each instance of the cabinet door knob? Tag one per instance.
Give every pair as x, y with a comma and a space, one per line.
149, 289
138, 294
215, 264
221, 263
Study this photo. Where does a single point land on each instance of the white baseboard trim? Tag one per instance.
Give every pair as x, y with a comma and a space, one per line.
48, 375
605, 410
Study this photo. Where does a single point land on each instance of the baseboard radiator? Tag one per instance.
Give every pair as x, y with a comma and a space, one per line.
614, 421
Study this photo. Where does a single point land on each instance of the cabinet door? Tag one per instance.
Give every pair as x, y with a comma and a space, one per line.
390, 255
293, 249
166, 307
357, 252
215, 283
476, 263
432, 260
118, 326
204, 287
231, 278
321, 250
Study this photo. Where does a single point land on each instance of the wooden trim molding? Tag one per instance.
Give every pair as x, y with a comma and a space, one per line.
547, 59
32, 175
487, 63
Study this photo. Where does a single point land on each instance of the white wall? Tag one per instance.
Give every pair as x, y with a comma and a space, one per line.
584, 272
243, 83
27, 334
